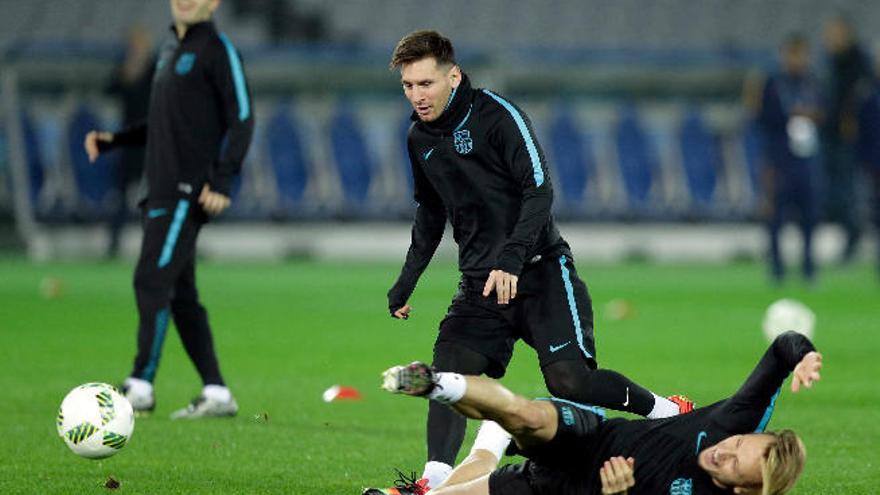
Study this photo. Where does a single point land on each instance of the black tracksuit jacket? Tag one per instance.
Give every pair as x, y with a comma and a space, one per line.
200, 119
480, 166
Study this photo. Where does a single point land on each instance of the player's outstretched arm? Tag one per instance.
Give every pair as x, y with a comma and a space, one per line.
97, 142
427, 231
748, 408
617, 475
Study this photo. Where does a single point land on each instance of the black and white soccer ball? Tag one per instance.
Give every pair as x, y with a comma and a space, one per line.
788, 314
95, 420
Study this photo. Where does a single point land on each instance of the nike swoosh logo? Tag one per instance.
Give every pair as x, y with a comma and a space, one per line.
428, 154
700, 438
626, 402
554, 348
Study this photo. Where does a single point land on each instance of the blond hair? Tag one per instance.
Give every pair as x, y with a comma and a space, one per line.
783, 462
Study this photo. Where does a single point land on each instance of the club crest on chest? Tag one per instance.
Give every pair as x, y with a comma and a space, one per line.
185, 63
463, 142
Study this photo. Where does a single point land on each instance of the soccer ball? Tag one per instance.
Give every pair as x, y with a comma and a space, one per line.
788, 314
95, 420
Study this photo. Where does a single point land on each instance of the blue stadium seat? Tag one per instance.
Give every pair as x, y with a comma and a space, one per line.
353, 161
753, 154
406, 166
93, 180
574, 162
638, 162
33, 158
701, 160
400, 198
287, 156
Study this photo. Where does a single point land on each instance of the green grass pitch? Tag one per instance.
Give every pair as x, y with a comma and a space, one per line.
285, 332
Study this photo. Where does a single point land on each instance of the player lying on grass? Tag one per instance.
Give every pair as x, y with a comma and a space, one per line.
572, 449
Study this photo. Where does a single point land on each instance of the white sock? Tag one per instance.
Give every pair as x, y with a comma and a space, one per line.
136, 386
663, 408
218, 393
493, 438
436, 473
449, 388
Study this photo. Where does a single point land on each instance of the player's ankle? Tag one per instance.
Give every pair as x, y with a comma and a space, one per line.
663, 408
219, 393
138, 386
448, 388
492, 438
436, 473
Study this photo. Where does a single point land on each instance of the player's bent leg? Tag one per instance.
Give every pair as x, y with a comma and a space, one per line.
575, 381
477, 397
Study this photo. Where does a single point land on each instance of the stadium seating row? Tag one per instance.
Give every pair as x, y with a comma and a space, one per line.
346, 159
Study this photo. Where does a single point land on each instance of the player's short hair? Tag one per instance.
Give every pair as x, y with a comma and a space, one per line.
783, 462
421, 44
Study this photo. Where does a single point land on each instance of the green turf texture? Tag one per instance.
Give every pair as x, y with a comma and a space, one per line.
286, 332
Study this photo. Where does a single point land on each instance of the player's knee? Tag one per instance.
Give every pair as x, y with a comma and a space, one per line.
146, 281
454, 357
569, 382
523, 417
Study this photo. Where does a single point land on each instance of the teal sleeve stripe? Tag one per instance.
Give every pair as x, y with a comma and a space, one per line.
526, 134
593, 409
244, 104
768, 412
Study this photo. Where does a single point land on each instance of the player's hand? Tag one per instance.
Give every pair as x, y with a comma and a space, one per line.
213, 202
504, 285
807, 371
402, 313
617, 475
91, 143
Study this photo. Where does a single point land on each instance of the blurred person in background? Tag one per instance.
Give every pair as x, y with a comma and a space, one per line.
131, 83
197, 132
788, 111
869, 141
849, 68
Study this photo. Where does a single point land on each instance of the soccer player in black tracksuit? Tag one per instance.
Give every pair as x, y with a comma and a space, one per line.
197, 132
476, 163
573, 450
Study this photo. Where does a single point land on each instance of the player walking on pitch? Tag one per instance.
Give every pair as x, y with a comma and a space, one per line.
573, 450
476, 162
197, 132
